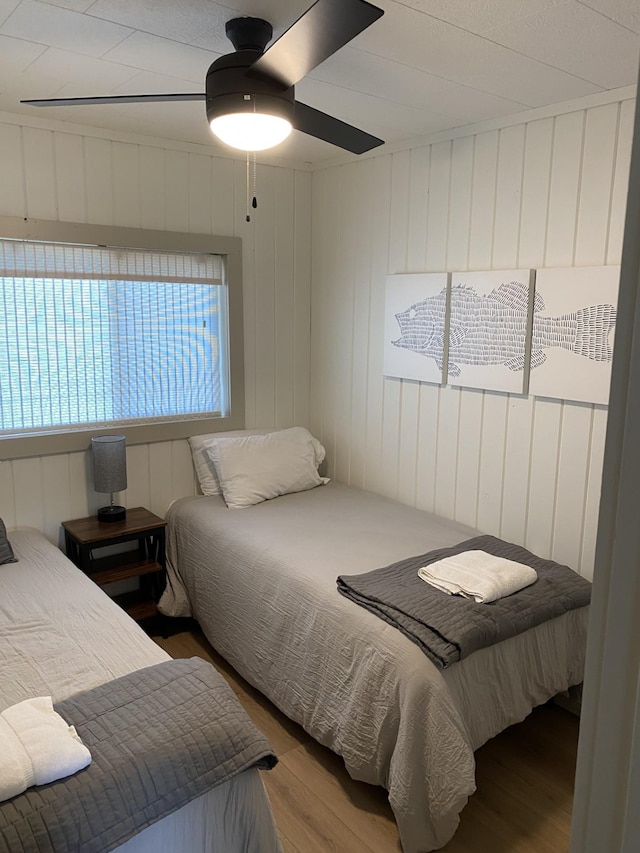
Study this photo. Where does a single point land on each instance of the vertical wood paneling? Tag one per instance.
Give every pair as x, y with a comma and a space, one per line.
200, 208
138, 491
620, 181
592, 498
183, 478
160, 485
152, 188
399, 445
176, 188
412, 483
82, 499
28, 493
427, 454
301, 298
70, 185
344, 297
98, 175
564, 189
506, 224
517, 468
331, 315
468, 468
571, 483
228, 197
594, 212
54, 175
56, 494
545, 441
549, 192
438, 211
535, 193
483, 200
12, 197
460, 207
492, 456
319, 279
408, 444
361, 329
380, 198
126, 184
247, 230
447, 452
393, 391
418, 209
40, 173
265, 292
284, 299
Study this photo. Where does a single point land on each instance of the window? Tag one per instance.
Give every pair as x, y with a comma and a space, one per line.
93, 337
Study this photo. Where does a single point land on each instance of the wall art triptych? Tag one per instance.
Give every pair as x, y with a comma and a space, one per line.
547, 332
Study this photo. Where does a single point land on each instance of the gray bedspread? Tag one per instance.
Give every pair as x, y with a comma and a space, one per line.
448, 627
158, 738
261, 582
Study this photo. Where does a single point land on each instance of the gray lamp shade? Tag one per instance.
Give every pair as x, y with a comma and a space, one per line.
109, 463
109, 472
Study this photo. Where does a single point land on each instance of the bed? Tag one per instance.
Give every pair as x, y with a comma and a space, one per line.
61, 635
261, 581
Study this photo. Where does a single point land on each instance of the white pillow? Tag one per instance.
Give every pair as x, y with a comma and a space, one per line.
205, 469
258, 467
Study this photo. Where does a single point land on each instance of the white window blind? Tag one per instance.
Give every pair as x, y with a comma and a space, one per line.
95, 336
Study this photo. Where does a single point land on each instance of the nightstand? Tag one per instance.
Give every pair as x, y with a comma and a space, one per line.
146, 560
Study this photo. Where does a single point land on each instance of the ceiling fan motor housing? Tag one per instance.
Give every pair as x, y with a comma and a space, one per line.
230, 90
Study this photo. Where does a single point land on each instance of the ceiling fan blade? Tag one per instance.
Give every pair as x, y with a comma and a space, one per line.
116, 99
330, 129
323, 29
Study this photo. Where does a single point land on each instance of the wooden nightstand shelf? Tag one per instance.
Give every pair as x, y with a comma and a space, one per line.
84, 536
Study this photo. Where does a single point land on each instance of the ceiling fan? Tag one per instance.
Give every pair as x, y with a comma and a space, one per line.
249, 94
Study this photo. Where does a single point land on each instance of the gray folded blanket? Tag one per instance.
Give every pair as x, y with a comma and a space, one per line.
448, 628
159, 738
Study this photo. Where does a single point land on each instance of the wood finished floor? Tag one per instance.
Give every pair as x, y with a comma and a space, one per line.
524, 782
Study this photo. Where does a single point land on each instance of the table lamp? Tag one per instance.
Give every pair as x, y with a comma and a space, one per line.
109, 472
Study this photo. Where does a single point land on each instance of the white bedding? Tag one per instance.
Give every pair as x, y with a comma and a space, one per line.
60, 634
262, 583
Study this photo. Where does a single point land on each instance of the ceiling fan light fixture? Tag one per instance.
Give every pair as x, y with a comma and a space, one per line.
250, 131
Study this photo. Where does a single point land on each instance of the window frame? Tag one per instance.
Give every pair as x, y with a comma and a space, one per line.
230, 248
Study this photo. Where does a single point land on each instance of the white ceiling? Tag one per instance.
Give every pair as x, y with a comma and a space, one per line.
425, 66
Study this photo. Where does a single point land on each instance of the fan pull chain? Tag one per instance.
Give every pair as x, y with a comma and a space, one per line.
252, 201
248, 217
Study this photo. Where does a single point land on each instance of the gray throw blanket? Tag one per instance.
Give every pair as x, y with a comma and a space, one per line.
159, 738
449, 627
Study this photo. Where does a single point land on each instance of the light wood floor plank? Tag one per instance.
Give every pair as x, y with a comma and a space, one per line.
364, 808
524, 778
307, 819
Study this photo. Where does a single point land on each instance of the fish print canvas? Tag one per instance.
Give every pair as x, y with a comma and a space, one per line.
488, 329
573, 331
415, 326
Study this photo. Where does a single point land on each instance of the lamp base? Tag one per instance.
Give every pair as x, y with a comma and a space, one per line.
111, 513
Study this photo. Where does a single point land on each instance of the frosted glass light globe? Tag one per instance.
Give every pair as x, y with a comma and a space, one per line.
251, 131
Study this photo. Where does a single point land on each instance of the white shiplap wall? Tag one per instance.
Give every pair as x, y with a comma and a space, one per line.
58, 175
548, 192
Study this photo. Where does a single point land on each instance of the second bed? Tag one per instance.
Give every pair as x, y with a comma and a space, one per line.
261, 582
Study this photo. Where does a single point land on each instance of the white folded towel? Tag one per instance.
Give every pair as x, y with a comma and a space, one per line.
37, 747
478, 575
